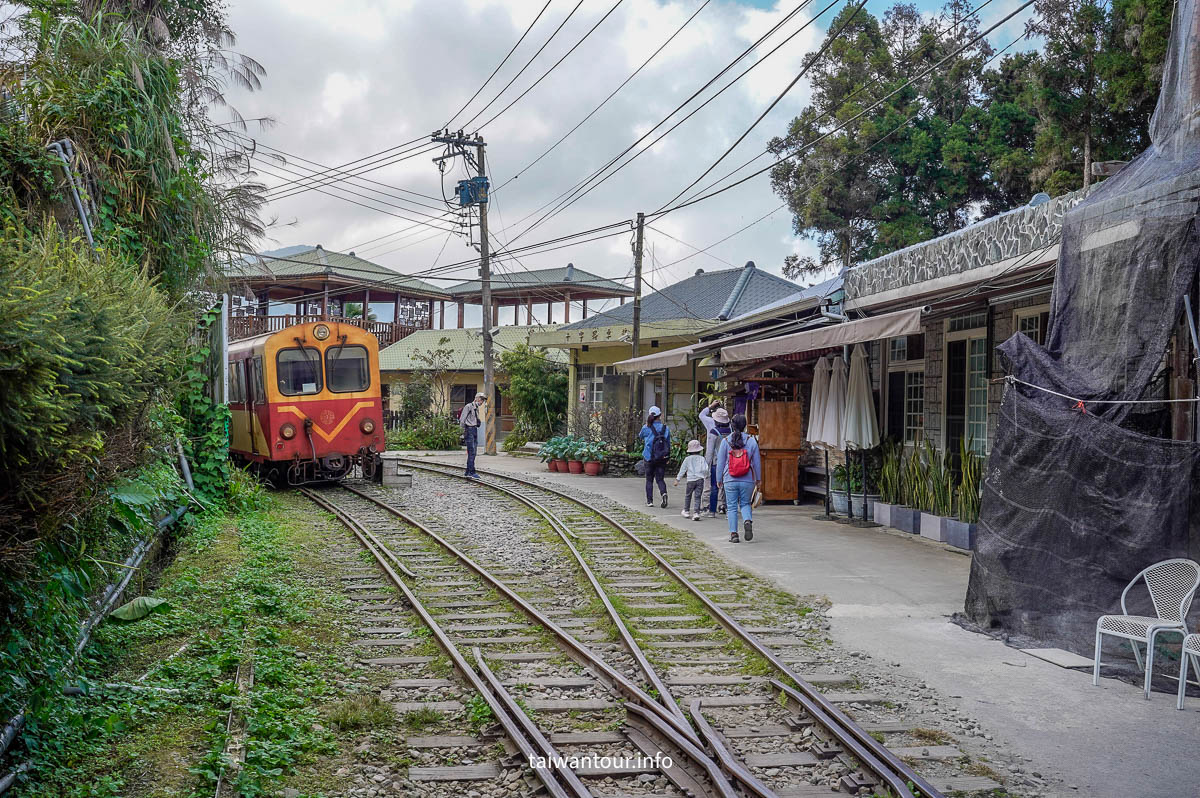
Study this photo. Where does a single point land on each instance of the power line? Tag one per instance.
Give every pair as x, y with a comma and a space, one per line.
552, 67
330, 193
808, 64
405, 148
503, 61
871, 84
323, 178
259, 145
577, 193
273, 165
521, 71
841, 126
603, 102
774, 28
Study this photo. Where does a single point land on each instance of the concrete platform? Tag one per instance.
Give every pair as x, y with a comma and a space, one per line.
891, 595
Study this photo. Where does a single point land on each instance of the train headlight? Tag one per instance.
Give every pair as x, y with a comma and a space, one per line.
320, 332
367, 426
287, 431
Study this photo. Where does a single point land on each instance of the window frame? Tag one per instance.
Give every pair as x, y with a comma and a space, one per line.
970, 336
366, 357
907, 367
1033, 312
320, 361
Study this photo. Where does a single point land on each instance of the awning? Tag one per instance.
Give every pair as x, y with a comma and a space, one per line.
659, 360
888, 325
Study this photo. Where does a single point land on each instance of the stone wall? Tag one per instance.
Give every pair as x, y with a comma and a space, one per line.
1020, 232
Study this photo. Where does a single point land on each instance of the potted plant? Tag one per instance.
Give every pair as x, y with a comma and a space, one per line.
938, 502
906, 516
852, 472
593, 455
559, 453
960, 531
573, 452
889, 483
546, 453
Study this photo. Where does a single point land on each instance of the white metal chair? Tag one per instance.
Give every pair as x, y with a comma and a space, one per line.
1191, 650
1172, 584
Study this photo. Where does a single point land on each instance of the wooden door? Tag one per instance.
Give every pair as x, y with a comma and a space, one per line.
780, 475
780, 425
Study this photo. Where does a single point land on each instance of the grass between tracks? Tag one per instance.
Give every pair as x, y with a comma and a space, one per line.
238, 590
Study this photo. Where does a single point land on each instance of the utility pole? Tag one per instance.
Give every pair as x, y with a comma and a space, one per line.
635, 390
475, 192
485, 282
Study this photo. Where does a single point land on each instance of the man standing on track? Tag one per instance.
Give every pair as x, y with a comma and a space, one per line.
469, 418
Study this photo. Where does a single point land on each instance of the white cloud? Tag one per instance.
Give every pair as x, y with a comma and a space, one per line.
342, 90
349, 79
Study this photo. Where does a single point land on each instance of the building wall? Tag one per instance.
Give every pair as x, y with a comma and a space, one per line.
1000, 326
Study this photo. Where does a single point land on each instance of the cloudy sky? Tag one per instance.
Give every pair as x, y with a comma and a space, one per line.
352, 78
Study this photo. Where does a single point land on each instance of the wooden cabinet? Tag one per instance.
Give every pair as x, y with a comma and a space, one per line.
780, 425
781, 439
780, 471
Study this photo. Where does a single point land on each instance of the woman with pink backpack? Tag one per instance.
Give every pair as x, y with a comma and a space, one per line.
739, 470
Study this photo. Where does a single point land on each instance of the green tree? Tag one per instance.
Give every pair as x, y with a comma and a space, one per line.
537, 388
1069, 92
831, 187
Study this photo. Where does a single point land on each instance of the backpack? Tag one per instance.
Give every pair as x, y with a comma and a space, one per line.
739, 462
660, 447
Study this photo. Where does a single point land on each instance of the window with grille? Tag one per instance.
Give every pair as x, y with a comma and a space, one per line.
970, 321
1034, 323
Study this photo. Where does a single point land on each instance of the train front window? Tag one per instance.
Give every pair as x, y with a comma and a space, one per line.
299, 371
346, 367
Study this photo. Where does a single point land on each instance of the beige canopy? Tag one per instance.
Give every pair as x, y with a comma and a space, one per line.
658, 360
874, 328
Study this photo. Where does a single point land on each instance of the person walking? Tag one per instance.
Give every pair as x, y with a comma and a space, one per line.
469, 418
717, 422
697, 471
656, 451
739, 469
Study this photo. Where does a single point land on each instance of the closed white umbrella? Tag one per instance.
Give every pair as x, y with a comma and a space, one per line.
860, 429
816, 402
835, 403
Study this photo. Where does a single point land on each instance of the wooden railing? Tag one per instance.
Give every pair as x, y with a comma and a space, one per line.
249, 326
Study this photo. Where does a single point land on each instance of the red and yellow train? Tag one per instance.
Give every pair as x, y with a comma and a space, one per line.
305, 403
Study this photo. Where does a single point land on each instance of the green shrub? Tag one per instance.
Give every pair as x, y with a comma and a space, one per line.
537, 388
87, 345
430, 431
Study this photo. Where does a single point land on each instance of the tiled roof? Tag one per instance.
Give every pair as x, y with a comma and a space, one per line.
562, 277
467, 346
299, 262
708, 296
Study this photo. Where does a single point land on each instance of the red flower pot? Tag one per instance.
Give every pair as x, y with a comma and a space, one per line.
560, 466
593, 468
550, 464
576, 466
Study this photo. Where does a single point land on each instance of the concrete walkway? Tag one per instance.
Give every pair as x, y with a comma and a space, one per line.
891, 595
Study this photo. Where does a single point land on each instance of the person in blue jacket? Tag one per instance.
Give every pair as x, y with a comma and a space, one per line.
739, 470
656, 451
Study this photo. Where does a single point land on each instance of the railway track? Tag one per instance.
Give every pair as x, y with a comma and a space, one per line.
657, 658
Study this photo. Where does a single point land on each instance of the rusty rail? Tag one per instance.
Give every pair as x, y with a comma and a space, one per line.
895, 773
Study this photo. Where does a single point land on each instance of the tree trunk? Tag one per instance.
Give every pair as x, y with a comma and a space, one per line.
1087, 157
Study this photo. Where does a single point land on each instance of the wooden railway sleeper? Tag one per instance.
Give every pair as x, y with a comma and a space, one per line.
580, 653
878, 758
547, 776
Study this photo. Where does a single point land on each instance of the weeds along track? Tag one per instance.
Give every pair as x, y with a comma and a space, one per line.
716, 649
535, 663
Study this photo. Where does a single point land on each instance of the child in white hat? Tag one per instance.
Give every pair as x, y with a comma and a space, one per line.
696, 469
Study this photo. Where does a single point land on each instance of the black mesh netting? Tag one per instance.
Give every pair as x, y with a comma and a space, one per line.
1076, 504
